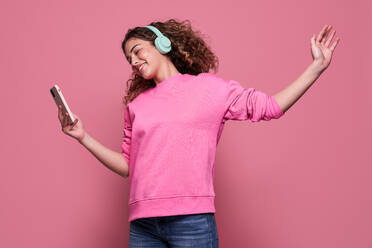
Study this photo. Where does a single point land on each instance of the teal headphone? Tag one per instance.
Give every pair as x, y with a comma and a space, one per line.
162, 43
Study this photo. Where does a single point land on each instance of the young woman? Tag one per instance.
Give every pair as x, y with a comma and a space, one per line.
175, 111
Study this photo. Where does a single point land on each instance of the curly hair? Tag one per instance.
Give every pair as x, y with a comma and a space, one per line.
190, 54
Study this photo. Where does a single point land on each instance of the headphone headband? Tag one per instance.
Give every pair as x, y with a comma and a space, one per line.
155, 30
162, 43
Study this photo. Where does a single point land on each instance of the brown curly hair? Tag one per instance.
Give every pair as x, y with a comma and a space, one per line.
190, 54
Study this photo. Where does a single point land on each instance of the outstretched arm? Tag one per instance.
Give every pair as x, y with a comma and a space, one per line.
322, 55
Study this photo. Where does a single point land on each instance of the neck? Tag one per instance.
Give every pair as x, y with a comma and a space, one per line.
168, 70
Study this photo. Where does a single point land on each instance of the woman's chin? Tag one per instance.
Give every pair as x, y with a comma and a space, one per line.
146, 76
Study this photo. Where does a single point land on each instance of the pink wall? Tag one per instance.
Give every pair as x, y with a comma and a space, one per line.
312, 191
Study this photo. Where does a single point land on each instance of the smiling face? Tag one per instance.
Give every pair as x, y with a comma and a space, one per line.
140, 52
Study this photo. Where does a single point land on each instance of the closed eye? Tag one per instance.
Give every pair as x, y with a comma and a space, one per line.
136, 52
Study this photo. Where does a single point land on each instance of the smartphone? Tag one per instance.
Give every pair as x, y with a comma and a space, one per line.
60, 100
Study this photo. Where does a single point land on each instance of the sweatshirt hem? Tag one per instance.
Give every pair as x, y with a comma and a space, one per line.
171, 206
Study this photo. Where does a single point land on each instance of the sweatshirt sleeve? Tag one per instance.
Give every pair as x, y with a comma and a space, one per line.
127, 135
249, 104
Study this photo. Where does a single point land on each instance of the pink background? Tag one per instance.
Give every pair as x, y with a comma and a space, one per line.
314, 190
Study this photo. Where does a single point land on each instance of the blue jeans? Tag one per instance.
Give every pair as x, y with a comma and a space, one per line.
190, 230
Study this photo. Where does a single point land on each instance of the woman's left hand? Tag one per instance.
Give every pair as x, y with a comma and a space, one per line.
320, 49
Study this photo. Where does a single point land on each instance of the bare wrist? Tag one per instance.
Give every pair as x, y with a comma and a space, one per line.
317, 67
84, 138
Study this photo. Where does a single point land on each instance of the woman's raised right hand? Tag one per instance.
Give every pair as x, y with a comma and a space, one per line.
75, 129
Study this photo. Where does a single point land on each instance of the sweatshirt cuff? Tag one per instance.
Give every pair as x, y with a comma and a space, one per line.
277, 110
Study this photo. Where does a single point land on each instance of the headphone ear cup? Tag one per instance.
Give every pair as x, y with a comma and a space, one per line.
165, 41
163, 44
157, 45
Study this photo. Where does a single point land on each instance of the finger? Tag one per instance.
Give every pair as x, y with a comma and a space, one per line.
60, 115
334, 44
62, 119
68, 119
312, 39
73, 124
312, 44
320, 35
65, 120
329, 38
326, 35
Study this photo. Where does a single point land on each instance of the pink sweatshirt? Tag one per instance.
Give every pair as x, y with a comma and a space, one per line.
170, 138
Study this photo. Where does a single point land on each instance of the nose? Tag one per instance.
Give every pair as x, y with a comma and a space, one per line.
134, 63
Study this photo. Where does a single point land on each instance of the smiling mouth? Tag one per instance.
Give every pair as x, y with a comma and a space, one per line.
141, 67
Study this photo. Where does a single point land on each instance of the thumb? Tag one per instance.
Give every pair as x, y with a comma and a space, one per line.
74, 115
312, 40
